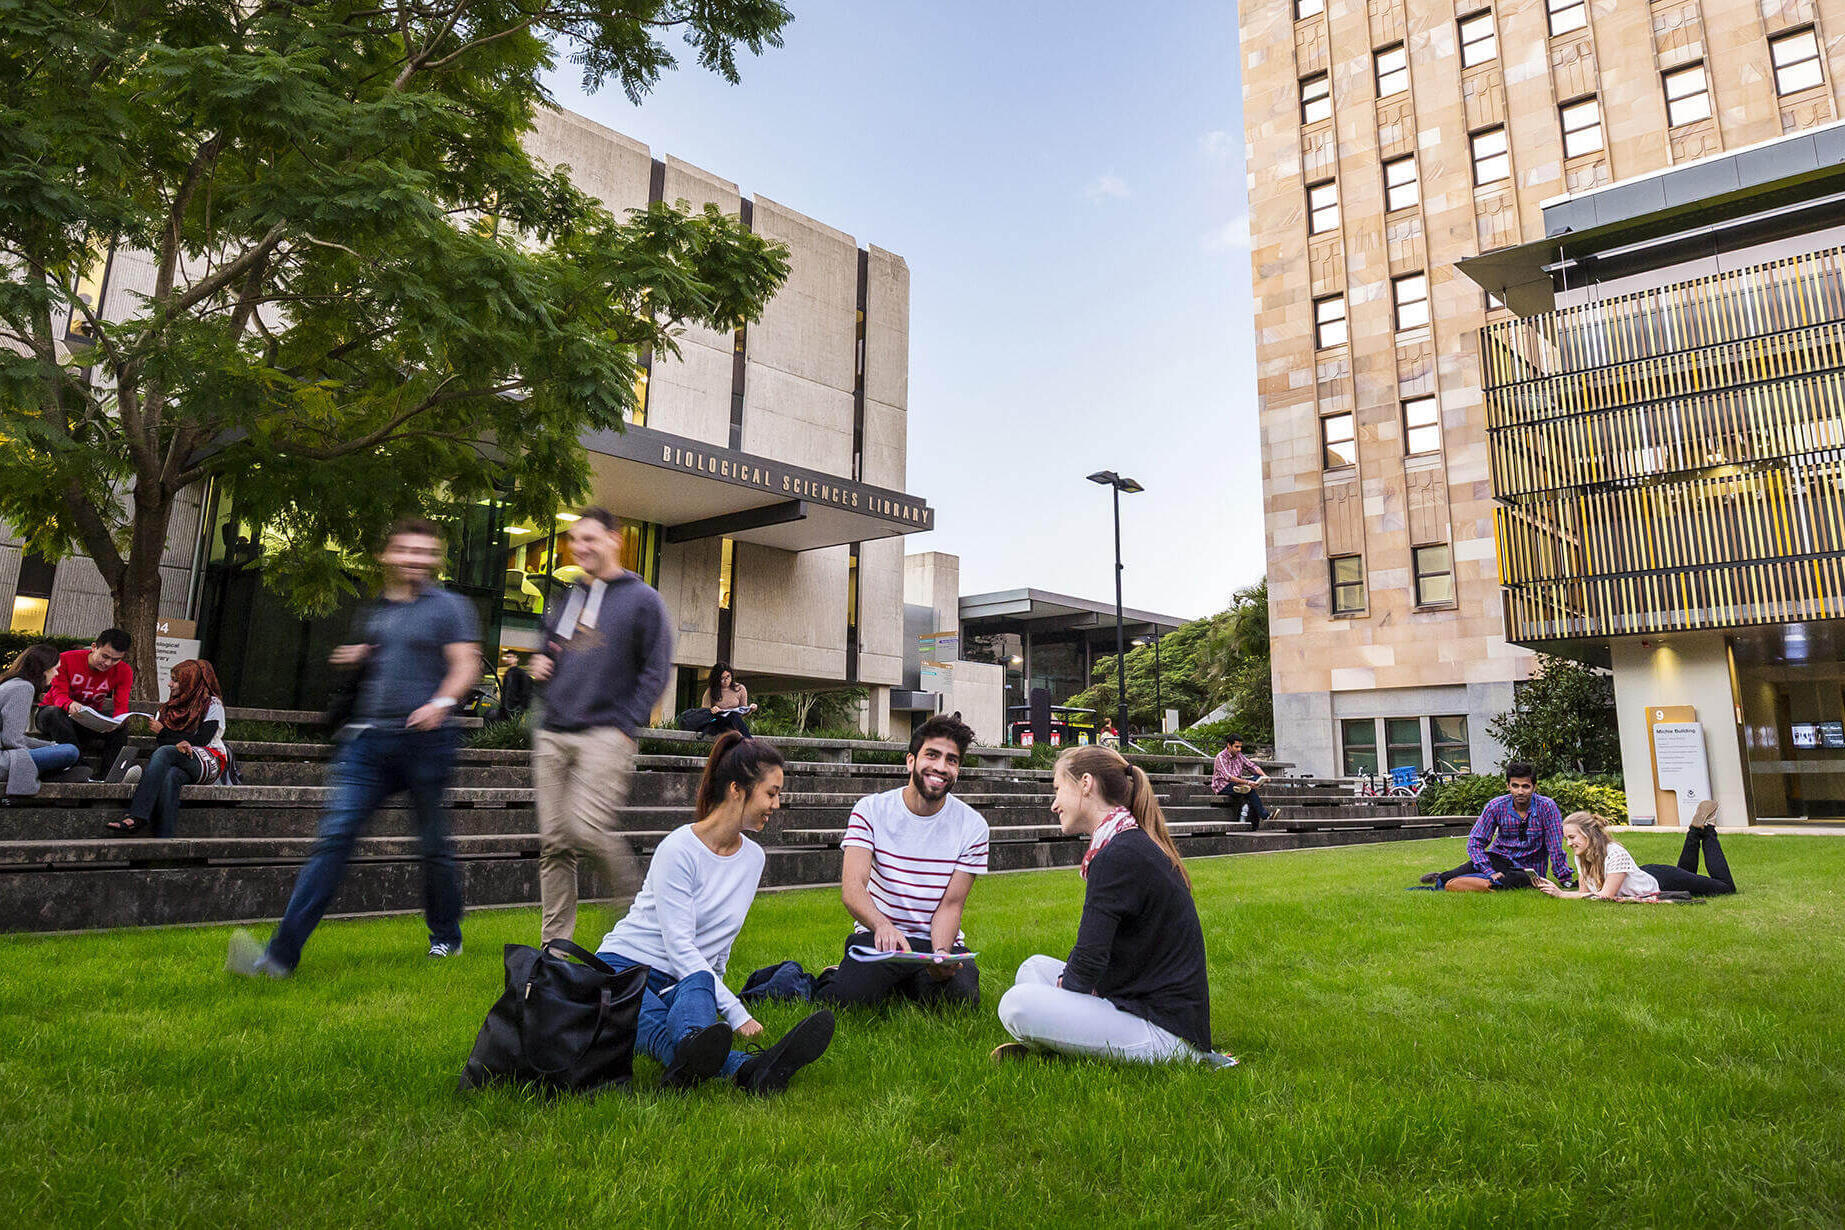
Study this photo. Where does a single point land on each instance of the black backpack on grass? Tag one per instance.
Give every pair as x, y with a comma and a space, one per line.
563, 1026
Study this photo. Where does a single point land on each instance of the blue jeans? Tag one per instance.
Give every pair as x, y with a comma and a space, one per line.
156, 799
56, 758
371, 766
671, 1011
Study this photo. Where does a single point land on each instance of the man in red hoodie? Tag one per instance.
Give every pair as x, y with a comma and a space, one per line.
97, 678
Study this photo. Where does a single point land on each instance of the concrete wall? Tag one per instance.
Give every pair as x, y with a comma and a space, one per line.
1679, 670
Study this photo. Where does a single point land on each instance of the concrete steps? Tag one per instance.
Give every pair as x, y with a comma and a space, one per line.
237, 849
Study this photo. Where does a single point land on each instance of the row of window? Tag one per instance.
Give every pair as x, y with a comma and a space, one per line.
1409, 295
1795, 54
1448, 748
1433, 567
1421, 432
1797, 66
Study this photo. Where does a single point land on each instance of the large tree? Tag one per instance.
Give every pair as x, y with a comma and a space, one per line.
1562, 720
1220, 661
360, 296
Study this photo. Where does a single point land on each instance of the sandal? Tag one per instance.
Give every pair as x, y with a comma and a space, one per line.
128, 826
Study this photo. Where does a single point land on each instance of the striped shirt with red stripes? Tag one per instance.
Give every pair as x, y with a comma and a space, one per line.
913, 857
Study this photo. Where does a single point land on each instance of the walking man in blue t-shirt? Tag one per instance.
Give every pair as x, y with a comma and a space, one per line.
419, 649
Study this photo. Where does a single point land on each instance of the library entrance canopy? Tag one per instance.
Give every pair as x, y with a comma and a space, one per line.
1788, 186
694, 490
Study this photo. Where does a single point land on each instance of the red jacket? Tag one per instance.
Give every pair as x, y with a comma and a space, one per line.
77, 681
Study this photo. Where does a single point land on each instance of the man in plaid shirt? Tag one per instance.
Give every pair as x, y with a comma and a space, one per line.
1231, 770
1511, 840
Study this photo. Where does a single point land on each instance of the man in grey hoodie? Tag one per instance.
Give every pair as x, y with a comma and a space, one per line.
608, 651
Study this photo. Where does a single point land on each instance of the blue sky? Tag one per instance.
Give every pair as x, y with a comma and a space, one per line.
1066, 183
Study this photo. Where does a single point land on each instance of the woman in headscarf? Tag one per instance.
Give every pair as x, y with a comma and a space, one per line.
190, 751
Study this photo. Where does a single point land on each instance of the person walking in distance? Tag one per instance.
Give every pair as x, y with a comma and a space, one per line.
608, 652
418, 648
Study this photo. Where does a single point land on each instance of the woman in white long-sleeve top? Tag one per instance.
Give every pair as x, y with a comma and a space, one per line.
686, 917
1134, 987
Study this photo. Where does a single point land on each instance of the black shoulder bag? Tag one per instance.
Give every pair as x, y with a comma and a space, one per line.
564, 1026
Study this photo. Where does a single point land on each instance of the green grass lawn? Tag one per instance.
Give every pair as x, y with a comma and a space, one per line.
1408, 1058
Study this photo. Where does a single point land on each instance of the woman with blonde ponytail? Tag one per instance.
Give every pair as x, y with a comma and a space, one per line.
1134, 988
1609, 872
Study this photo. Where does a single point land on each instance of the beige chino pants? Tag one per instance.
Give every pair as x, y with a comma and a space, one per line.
582, 779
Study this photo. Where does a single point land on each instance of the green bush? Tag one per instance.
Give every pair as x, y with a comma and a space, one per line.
512, 734
1602, 793
241, 731
12, 644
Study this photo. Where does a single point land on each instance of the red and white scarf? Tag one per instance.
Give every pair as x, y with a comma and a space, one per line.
1116, 823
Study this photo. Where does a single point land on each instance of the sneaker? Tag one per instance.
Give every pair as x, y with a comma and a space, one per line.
131, 776
445, 950
1705, 816
769, 1071
123, 759
251, 959
1218, 1059
698, 1057
1430, 877
1011, 1052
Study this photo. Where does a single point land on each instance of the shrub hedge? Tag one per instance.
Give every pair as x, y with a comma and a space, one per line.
1469, 795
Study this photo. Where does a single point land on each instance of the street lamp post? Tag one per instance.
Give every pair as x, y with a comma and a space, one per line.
1159, 699
1108, 478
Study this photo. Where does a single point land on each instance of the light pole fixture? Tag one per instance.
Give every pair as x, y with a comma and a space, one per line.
1108, 478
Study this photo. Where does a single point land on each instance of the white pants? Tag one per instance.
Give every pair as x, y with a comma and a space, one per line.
1042, 1014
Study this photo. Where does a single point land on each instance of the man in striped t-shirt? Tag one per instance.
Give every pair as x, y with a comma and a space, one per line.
911, 858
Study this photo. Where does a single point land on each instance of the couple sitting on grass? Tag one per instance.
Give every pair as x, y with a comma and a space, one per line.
1133, 988
1521, 829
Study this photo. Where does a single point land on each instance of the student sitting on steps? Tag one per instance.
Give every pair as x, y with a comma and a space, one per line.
686, 917
1134, 987
23, 758
1609, 872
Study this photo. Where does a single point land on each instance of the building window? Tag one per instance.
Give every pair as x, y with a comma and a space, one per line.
1329, 321
1582, 127
1403, 743
1479, 41
1348, 584
1434, 575
1402, 187
1567, 15
1322, 207
1412, 296
1422, 425
1448, 741
1392, 71
1687, 95
1304, 9
1315, 98
1492, 160
727, 572
1358, 736
32, 598
1796, 58
1338, 441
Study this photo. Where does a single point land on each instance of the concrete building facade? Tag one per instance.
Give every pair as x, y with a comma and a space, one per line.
1388, 141
761, 482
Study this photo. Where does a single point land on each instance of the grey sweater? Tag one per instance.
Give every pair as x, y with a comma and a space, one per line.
614, 673
16, 765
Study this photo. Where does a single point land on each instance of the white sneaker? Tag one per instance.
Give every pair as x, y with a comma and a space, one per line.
132, 775
445, 950
250, 959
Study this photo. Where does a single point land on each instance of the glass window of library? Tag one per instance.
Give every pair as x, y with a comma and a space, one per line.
538, 563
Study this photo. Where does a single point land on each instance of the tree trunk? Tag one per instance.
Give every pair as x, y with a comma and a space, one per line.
137, 593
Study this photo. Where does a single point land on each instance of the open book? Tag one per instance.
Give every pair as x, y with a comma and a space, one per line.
96, 719
859, 952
